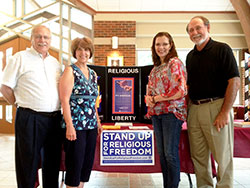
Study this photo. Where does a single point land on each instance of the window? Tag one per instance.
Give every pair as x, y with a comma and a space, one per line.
9, 116
1, 69
9, 53
144, 57
1, 112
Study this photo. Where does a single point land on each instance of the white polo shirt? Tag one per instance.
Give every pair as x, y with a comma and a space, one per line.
34, 80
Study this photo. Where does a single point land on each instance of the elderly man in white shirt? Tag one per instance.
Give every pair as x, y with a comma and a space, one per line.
30, 82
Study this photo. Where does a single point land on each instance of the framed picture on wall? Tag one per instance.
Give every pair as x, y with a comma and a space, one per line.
115, 61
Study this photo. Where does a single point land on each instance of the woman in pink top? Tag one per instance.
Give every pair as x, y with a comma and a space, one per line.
166, 104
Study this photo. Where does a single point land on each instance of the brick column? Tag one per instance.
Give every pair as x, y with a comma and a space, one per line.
104, 31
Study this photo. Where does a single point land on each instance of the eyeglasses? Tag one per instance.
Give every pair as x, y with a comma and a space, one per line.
40, 37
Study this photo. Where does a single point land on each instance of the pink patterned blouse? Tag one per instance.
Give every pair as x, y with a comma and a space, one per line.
166, 80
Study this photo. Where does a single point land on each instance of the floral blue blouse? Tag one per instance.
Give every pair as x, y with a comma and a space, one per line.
83, 100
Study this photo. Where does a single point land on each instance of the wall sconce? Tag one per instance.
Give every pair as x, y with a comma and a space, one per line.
114, 42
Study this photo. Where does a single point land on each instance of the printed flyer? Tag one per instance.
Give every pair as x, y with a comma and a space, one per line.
123, 95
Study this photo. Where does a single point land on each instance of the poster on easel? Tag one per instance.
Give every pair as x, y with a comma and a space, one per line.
247, 82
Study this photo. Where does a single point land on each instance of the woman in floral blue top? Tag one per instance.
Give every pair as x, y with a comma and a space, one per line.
166, 105
78, 92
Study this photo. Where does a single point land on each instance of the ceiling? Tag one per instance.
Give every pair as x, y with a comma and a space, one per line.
159, 5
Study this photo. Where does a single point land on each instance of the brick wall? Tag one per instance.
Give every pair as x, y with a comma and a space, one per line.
107, 29
114, 28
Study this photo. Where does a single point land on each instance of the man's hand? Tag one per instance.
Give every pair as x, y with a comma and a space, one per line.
221, 120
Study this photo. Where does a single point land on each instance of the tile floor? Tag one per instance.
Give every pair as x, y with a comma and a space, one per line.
112, 180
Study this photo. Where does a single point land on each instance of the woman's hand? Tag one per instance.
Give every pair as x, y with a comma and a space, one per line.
99, 128
70, 133
149, 100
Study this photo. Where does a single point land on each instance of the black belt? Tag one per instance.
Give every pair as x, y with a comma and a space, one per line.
48, 114
202, 101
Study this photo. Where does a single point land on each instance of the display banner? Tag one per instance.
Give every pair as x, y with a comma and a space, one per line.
247, 82
123, 92
101, 99
130, 147
145, 71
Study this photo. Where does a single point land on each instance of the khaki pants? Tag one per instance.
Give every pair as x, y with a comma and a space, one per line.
205, 139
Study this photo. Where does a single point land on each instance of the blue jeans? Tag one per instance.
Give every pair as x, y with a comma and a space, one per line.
167, 129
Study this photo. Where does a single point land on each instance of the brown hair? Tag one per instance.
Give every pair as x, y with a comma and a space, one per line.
172, 52
204, 20
84, 42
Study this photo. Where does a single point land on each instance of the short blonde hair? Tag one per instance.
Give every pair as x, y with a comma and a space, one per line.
84, 42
